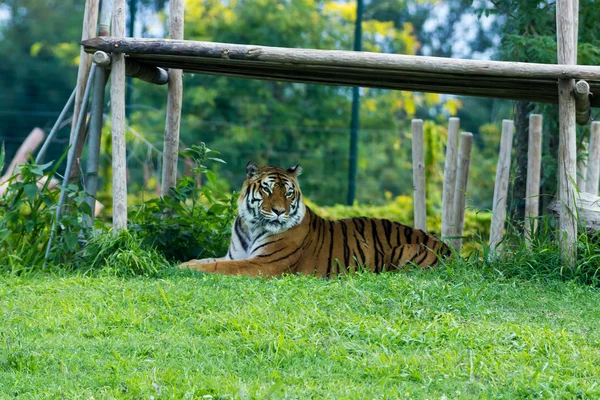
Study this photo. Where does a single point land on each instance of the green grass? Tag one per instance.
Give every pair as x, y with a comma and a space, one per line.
458, 333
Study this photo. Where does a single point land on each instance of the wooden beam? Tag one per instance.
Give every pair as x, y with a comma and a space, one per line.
117, 98
534, 163
582, 102
418, 160
171, 139
519, 81
449, 186
134, 69
379, 61
567, 148
501, 186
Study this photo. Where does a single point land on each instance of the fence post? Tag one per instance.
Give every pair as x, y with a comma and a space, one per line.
450, 178
591, 183
462, 178
418, 159
501, 185
534, 163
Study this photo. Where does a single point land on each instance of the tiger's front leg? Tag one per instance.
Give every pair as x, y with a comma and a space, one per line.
249, 267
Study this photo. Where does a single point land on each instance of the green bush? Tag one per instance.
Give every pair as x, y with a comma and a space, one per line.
27, 213
194, 221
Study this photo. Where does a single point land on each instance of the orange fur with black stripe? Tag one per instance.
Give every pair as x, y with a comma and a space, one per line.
276, 233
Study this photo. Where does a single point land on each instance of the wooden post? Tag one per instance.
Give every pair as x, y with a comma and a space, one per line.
117, 96
96, 119
90, 23
593, 170
418, 159
450, 178
462, 178
171, 140
534, 163
582, 168
501, 185
582, 102
566, 22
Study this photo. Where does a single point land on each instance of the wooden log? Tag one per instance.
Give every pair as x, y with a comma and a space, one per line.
593, 169
117, 95
582, 102
134, 69
449, 186
587, 207
567, 148
534, 163
528, 89
27, 148
378, 61
418, 159
171, 139
106, 12
460, 195
90, 23
582, 167
501, 186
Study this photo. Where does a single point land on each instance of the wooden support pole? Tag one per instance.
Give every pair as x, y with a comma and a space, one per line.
90, 24
460, 195
534, 164
418, 159
134, 69
117, 96
593, 170
93, 160
501, 185
450, 178
171, 140
567, 147
582, 102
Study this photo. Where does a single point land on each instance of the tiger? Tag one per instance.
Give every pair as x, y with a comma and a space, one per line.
276, 233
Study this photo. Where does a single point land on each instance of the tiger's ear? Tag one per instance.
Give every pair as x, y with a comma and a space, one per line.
296, 170
251, 169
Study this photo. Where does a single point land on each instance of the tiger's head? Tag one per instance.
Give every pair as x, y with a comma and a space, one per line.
271, 198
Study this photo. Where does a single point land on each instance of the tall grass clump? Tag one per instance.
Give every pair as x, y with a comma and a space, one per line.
120, 254
541, 257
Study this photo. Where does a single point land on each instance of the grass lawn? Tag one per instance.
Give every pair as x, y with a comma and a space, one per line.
444, 334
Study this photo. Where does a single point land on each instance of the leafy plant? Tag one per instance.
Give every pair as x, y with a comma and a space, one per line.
27, 212
194, 221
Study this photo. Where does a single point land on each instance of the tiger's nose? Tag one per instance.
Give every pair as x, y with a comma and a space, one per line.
278, 210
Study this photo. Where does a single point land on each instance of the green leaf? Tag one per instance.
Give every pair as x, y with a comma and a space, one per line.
212, 177
71, 240
31, 190
216, 209
217, 160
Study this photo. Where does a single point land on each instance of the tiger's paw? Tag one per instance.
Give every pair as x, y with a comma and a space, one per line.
204, 265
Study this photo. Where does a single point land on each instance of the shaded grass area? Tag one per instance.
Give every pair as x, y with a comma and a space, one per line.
457, 332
